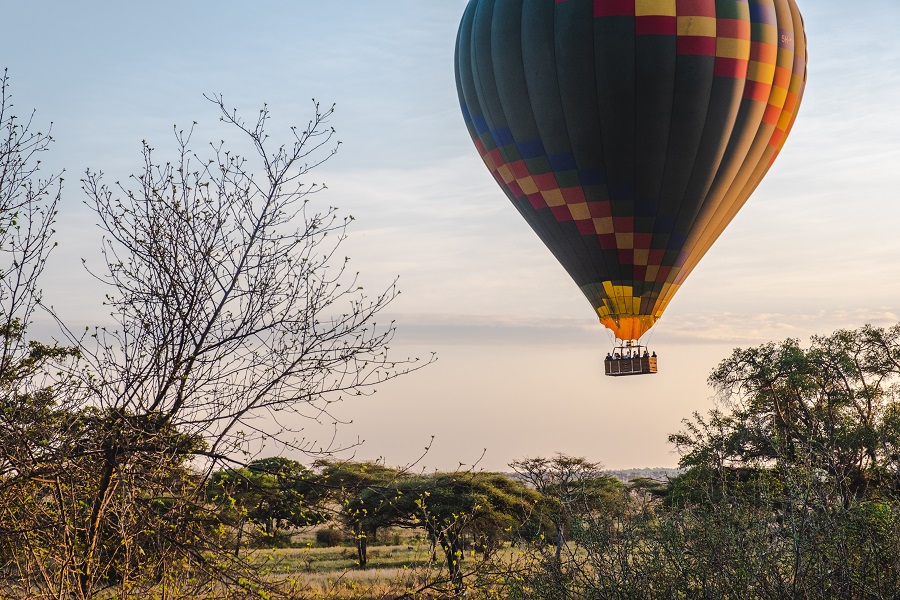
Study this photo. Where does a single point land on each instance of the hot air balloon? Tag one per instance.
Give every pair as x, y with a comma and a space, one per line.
628, 133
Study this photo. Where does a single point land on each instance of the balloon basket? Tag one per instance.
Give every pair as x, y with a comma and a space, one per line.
630, 359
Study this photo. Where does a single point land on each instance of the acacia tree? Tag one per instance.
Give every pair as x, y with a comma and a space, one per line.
570, 486
345, 482
234, 318
490, 507
274, 494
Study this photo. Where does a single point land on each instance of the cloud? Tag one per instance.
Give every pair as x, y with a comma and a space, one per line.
749, 328
672, 330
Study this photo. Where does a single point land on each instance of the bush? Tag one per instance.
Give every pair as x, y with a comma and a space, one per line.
329, 537
279, 540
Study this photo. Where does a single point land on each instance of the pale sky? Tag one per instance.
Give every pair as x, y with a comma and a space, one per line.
519, 369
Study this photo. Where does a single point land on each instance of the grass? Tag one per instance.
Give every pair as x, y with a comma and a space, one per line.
392, 570
343, 558
334, 572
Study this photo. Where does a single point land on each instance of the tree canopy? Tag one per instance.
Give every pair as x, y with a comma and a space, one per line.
833, 407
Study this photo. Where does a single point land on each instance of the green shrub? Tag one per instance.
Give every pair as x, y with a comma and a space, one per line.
329, 537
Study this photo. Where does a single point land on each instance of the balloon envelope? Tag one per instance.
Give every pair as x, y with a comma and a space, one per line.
628, 133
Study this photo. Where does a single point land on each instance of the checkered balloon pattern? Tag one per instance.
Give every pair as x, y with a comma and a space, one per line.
628, 133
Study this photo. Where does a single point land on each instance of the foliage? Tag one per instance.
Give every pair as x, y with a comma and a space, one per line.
834, 405
488, 507
789, 488
274, 494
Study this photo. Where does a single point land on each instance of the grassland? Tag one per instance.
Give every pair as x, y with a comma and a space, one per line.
397, 570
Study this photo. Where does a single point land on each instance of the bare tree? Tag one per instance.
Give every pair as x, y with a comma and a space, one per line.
30, 417
234, 321
28, 205
230, 300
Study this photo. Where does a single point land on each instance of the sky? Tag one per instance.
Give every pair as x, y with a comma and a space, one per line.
519, 369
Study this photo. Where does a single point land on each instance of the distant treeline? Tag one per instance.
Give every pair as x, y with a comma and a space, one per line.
655, 473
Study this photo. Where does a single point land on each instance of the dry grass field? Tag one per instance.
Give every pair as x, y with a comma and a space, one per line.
334, 572
407, 569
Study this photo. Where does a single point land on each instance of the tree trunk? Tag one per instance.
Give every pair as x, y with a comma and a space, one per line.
240, 533
362, 543
453, 552
560, 541
92, 534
